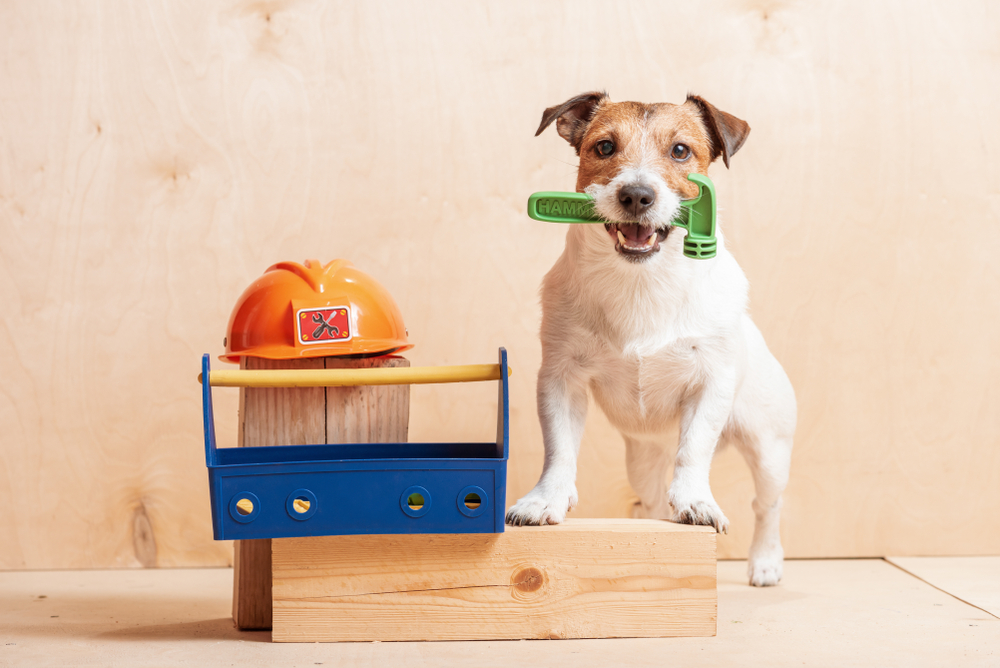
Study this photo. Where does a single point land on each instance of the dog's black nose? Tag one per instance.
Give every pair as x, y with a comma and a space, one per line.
636, 198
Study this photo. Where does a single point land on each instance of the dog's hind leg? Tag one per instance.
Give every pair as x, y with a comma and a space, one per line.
769, 458
648, 462
762, 429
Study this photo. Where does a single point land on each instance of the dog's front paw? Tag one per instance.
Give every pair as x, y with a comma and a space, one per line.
765, 567
537, 508
702, 512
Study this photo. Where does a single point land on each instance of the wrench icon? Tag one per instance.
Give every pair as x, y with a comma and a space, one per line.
324, 326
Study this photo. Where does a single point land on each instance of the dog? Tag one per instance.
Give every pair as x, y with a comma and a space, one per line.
663, 342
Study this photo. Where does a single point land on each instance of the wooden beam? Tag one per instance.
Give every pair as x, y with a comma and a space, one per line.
270, 417
579, 579
306, 416
368, 413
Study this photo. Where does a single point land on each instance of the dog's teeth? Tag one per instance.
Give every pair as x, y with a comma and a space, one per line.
621, 238
651, 240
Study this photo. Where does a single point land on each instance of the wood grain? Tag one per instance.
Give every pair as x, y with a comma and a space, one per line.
367, 414
282, 415
581, 579
156, 157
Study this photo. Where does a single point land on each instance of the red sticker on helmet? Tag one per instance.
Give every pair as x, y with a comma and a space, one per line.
323, 325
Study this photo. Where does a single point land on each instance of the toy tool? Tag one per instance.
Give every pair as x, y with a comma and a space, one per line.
468, 373
697, 215
279, 491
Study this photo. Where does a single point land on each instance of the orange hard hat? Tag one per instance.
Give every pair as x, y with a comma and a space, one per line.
313, 310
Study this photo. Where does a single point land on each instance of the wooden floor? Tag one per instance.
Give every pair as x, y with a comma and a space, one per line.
861, 612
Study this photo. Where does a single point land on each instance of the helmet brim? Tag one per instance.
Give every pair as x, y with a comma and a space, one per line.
356, 348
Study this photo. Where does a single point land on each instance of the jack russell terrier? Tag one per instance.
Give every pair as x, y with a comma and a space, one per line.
663, 342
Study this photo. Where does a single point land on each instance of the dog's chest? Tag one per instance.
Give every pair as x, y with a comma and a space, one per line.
641, 390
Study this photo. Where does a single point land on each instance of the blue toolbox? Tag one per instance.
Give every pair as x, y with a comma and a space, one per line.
282, 491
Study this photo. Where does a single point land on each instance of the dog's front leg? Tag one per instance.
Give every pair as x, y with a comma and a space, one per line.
703, 417
562, 410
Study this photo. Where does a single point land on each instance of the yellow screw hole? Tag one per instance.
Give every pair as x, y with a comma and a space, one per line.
244, 507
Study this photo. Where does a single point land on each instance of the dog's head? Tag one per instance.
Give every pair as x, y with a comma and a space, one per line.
635, 159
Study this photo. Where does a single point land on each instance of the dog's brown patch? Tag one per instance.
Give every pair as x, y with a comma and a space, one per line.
645, 134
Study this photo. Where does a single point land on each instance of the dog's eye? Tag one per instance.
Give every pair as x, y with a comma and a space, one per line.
680, 152
604, 148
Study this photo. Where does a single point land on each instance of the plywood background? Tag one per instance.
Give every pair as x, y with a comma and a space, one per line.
156, 157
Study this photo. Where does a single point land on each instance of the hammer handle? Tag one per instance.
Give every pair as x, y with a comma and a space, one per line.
343, 377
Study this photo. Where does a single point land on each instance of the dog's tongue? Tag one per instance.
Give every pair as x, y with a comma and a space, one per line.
636, 235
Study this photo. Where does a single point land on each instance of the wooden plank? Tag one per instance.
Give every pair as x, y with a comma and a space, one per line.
270, 416
303, 416
371, 413
858, 612
252, 584
223, 144
975, 580
580, 579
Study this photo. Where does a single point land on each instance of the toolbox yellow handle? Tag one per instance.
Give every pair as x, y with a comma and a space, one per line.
467, 373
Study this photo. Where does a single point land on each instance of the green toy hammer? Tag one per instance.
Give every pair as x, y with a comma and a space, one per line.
697, 215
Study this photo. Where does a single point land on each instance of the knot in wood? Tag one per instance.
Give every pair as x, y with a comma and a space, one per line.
527, 580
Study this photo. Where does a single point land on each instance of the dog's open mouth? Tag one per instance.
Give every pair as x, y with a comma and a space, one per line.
636, 241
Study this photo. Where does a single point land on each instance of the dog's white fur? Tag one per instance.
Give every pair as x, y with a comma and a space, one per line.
663, 345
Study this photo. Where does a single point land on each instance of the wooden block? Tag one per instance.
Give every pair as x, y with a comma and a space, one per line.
282, 415
580, 579
270, 416
304, 416
367, 413
252, 584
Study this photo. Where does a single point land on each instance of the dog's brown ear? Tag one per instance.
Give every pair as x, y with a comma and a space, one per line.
726, 131
573, 116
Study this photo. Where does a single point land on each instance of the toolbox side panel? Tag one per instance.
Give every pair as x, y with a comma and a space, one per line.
356, 498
